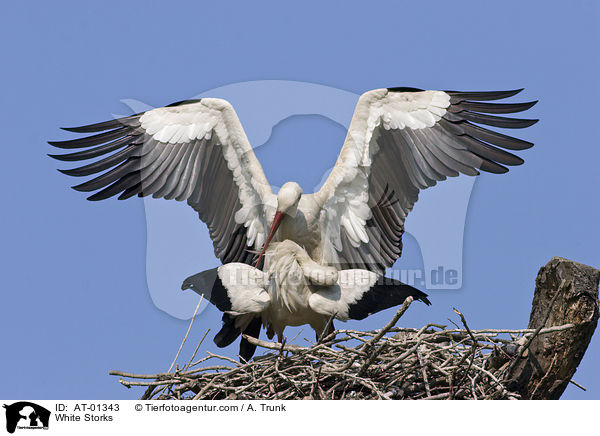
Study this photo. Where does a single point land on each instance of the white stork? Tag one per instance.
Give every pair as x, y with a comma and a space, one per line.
293, 290
400, 140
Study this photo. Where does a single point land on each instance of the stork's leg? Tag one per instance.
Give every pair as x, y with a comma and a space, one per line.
281, 340
328, 329
246, 348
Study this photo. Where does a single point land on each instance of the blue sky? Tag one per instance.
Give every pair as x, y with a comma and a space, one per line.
75, 300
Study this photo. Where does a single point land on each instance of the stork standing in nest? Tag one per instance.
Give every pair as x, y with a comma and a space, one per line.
400, 140
293, 290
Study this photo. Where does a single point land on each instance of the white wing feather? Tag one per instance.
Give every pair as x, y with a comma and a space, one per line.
187, 123
345, 194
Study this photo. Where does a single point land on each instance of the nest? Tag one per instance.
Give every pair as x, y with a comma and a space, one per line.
433, 362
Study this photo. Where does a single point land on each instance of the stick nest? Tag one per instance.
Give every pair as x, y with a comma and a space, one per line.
433, 362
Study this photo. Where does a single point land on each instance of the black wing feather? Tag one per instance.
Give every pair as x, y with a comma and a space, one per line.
458, 96
88, 141
386, 293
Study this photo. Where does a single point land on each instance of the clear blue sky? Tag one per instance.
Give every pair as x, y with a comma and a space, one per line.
75, 301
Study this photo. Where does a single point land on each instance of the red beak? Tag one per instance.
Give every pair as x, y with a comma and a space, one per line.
276, 221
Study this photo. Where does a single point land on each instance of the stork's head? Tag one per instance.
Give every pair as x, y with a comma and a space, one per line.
288, 198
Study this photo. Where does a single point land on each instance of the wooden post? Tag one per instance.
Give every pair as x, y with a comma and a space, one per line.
566, 292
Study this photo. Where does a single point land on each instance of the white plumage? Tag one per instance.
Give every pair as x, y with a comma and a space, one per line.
295, 290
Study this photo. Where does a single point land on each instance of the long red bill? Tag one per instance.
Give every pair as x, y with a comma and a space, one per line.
274, 226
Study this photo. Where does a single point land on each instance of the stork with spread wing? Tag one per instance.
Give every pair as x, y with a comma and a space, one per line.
400, 140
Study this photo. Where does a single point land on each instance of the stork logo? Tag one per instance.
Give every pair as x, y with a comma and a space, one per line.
26, 415
178, 246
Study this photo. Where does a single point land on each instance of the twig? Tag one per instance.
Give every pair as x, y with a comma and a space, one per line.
424, 372
196, 350
392, 322
186, 333
578, 385
274, 345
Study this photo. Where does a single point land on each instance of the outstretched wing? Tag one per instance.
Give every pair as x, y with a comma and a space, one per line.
402, 140
196, 151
